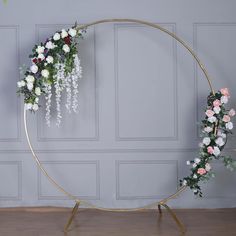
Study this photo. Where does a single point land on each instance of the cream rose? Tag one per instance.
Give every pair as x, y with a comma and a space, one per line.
34, 69
66, 48
45, 73
37, 91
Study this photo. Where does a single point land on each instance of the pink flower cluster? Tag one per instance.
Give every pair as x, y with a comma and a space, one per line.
216, 109
216, 125
212, 117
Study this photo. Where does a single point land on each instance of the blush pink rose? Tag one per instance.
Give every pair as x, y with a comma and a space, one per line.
226, 118
225, 92
232, 112
216, 103
201, 171
209, 113
210, 149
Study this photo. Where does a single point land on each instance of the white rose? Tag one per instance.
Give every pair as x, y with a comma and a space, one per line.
30, 79
45, 73
216, 110
41, 56
66, 48
30, 86
29, 106
50, 45
206, 141
195, 176
72, 32
34, 69
35, 107
224, 99
221, 134
197, 160
212, 119
40, 49
37, 91
49, 59
64, 33
219, 141
207, 167
184, 182
56, 36
208, 129
188, 163
36, 100
229, 125
21, 83
216, 151
195, 190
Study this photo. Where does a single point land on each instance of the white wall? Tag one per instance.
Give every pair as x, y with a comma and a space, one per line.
140, 99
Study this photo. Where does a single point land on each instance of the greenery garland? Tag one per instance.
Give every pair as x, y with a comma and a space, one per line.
216, 127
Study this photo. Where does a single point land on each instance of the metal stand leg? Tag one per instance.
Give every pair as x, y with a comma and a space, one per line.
174, 216
159, 209
73, 213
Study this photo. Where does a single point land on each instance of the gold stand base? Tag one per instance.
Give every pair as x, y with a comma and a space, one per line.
73, 213
174, 216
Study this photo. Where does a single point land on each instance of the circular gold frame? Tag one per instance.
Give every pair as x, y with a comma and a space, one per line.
158, 203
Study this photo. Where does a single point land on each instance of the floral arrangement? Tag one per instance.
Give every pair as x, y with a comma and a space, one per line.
55, 66
215, 128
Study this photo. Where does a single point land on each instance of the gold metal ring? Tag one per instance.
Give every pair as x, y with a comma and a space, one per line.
71, 196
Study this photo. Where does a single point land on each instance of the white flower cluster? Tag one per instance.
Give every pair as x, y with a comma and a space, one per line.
48, 70
48, 95
68, 82
75, 76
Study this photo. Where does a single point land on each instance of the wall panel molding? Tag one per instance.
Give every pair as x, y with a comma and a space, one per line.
175, 91
118, 164
18, 195
16, 29
42, 196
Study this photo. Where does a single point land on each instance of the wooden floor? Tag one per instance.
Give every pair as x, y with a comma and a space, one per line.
50, 222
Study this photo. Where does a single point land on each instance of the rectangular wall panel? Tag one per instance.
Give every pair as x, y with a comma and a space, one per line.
9, 75
146, 91
80, 178
146, 179
10, 180
84, 124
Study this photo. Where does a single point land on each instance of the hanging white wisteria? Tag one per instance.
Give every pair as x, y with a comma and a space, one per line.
55, 66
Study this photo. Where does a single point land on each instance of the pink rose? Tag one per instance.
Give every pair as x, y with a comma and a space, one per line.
201, 171
210, 149
232, 112
209, 113
216, 103
225, 92
226, 118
